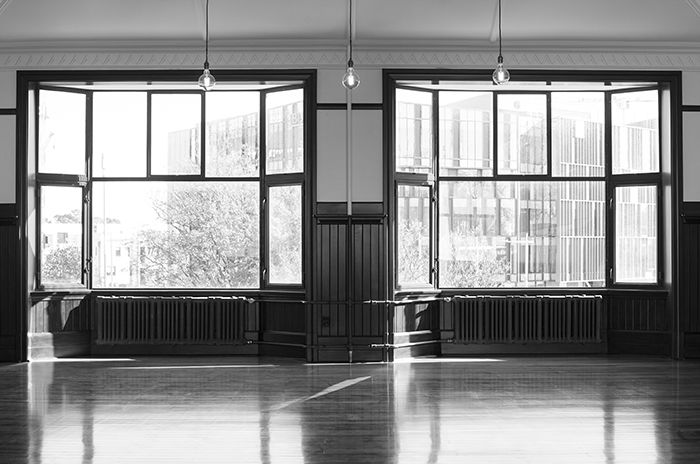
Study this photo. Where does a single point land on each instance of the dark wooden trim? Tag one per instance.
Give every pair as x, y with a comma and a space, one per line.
690, 108
8, 213
340, 208
523, 348
8, 111
690, 212
355, 106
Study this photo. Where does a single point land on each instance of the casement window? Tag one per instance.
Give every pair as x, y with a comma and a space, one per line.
532, 184
167, 186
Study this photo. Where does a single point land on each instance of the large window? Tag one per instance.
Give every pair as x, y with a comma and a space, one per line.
538, 184
160, 186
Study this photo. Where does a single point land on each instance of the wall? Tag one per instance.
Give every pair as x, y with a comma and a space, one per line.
367, 172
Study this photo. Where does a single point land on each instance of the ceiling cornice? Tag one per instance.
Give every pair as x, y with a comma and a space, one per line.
316, 54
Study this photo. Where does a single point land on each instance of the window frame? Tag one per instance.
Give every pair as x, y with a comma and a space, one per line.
396, 78
304, 80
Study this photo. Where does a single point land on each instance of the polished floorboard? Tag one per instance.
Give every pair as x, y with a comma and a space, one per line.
269, 410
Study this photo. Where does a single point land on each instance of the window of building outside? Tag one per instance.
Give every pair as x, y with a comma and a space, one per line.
525, 185
170, 187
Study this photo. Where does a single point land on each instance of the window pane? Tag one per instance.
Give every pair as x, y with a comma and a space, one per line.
635, 137
119, 134
61, 132
466, 134
232, 134
636, 234
578, 134
285, 235
175, 234
61, 235
414, 131
522, 134
522, 234
175, 138
285, 131
413, 235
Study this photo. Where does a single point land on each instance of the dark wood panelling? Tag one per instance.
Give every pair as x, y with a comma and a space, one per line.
59, 326
639, 323
340, 209
690, 277
416, 317
8, 213
368, 278
331, 274
691, 347
283, 329
56, 313
349, 267
638, 312
9, 283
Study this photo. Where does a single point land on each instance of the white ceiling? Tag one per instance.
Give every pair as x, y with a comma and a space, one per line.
49, 23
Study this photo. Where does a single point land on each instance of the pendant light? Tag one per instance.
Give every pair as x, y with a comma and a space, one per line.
350, 79
501, 74
206, 80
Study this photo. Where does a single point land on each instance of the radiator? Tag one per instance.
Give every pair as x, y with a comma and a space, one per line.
528, 319
170, 320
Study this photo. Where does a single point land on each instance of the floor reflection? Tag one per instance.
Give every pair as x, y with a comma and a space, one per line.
215, 410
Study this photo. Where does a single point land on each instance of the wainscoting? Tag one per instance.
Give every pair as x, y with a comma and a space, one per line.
349, 268
9, 284
59, 325
689, 283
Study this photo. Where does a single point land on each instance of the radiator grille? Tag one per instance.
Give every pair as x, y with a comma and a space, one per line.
522, 319
170, 320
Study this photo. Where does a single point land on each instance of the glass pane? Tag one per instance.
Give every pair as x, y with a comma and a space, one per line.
636, 234
522, 234
175, 133
285, 131
233, 146
414, 131
119, 134
413, 235
578, 134
285, 235
522, 134
635, 127
176, 234
61, 235
466, 134
61, 132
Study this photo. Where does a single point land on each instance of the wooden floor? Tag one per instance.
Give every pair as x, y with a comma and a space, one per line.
270, 410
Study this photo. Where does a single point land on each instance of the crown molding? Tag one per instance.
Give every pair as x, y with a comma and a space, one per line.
331, 54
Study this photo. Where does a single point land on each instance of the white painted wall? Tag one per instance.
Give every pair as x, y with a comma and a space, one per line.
330, 90
367, 174
691, 87
330, 156
7, 137
691, 156
331, 181
7, 159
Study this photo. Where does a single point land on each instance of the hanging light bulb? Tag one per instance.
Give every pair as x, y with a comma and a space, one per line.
500, 74
351, 79
206, 80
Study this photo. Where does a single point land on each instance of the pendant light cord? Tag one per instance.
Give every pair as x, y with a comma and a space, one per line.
350, 34
206, 36
500, 39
